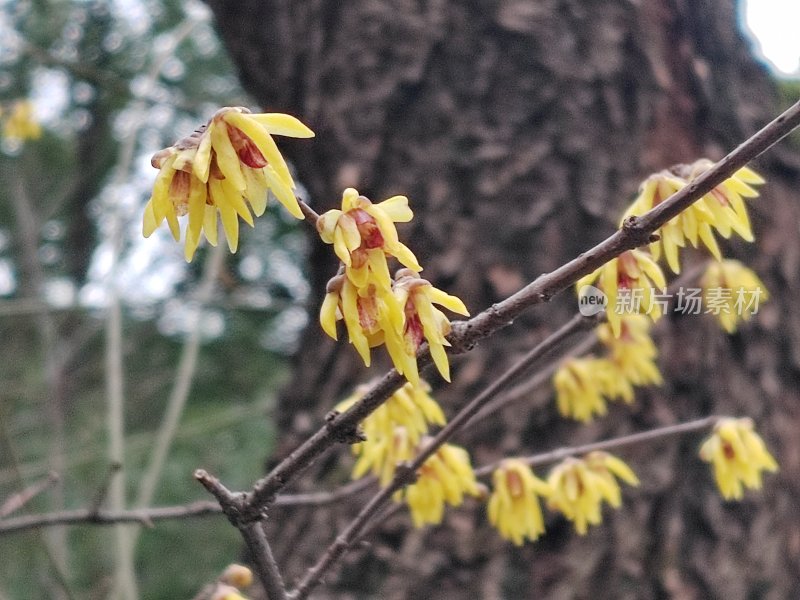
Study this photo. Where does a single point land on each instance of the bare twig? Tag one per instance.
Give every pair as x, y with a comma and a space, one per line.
651, 435
253, 533
20, 499
182, 386
148, 516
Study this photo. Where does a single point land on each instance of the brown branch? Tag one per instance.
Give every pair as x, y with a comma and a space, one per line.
558, 454
263, 560
148, 516
636, 231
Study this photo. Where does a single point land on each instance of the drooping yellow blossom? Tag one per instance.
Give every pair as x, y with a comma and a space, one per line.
372, 315
225, 167
19, 122
579, 486
514, 504
738, 456
633, 352
445, 478
411, 407
732, 292
394, 429
584, 384
609, 467
629, 282
401, 317
422, 321
363, 234
380, 456
722, 209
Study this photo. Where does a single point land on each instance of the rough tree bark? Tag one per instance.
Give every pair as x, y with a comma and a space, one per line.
519, 130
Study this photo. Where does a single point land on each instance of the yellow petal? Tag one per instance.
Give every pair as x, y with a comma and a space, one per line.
210, 226
282, 124
327, 314
201, 164
396, 208
230, 223
256, 192
264, 142
283, 192
227, 159
149, 224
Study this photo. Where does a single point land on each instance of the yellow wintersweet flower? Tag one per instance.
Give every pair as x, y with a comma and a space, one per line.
633, 352
445, 478
372, 315
578, 488
738, 455
394, 429
514, 504
225, 167
628, 282
20, 123
583, 385
609, 467
411, 407
722, 209
423, 321
363, 234
732, 292
381, 455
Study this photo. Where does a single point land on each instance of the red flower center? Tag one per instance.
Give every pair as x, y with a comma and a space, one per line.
246, 149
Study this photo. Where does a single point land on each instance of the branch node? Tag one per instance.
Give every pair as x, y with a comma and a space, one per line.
405, 474
639, 234
346, 435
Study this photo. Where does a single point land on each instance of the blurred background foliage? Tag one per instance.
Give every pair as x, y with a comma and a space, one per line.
111, 82
100, 74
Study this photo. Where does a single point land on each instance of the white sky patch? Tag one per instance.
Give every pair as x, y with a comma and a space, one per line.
50, 94
774, 24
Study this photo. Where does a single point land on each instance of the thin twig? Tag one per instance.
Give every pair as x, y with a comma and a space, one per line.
636, 231
187, 367
20, 499
148, 516
546, 458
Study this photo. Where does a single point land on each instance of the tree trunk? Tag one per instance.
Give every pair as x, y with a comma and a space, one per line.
520, 130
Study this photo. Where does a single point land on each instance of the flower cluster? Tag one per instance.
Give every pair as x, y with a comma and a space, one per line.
633, 271
444, 478
730, 288
224, 169
19, 122
738, 456
394, 429
578, 487
722, 210
584, 385
377, 309
395, 433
